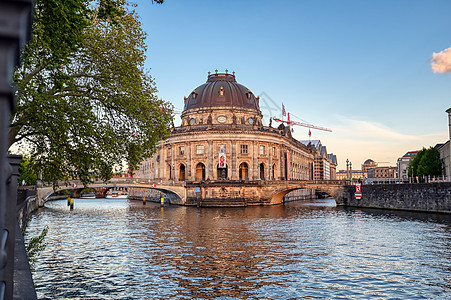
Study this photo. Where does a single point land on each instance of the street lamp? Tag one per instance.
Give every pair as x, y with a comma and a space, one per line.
347, 169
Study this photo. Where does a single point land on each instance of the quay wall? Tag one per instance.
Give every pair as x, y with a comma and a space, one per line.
428, 197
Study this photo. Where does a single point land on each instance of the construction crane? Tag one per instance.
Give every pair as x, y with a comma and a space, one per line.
302, 124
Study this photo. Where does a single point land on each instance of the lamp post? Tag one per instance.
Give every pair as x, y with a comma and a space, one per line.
411, 168
347, 169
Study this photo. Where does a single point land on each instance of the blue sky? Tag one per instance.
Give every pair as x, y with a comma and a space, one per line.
361, 68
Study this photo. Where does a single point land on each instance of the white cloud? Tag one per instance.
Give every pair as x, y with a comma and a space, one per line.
441, 62
372, 131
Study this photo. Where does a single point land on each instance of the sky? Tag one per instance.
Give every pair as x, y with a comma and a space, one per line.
375, 72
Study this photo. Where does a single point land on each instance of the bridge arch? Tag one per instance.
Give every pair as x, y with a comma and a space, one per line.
178, 190
334, 189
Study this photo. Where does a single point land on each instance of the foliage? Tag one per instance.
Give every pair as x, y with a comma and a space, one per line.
35, 246
426, 162
85, 101
27, 171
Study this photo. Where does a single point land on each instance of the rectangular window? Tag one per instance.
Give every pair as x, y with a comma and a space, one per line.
262, 150
182, 150
169, 152
273, 151
200, 149
244, 149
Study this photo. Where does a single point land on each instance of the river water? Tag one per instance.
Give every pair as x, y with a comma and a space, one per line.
120, 249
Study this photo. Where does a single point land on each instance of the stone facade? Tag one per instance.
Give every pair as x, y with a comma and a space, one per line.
222, 138
430, 197
250, 150
403, 165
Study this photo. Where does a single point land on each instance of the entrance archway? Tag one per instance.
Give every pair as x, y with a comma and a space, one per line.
222, 172
262, 171
200, 172
182, 172
244, 171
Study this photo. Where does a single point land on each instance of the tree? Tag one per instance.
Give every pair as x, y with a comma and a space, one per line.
27, 171
85, 101
426, 163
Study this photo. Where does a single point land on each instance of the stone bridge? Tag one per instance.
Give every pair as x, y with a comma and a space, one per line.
213, 193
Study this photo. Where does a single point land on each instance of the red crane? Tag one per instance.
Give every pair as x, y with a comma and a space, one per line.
301, 124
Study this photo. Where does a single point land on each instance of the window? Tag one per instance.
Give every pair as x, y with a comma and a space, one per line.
169, 152
200, 149
273, 150
244, 149
182, 150
262, 150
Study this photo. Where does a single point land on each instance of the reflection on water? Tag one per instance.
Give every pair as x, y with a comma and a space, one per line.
120, 249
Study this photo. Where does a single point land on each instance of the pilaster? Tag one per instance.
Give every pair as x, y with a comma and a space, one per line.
234, 174
210, 161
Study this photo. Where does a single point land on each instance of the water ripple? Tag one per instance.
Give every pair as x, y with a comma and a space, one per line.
118, 249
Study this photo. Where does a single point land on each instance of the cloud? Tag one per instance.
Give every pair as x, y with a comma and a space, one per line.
441, 62
373, 131
357, 140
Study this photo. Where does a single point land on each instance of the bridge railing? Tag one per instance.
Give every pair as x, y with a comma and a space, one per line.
123, 180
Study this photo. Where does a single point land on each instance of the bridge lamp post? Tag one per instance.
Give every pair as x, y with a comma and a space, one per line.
347, 169
173, 172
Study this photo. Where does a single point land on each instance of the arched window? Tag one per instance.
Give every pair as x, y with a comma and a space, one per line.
182, 172
244, 171
200, 172
262, 171
222, 172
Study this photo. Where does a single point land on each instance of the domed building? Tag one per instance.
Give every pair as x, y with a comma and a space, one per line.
222, 140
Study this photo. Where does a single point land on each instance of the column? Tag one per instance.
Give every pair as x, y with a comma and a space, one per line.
210, 161
161, 171
175, 174
254, 161
270, 161
233, 172
188, 161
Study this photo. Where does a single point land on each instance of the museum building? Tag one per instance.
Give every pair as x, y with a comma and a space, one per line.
221, 137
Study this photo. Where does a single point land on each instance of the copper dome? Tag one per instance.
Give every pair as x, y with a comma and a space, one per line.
221, 90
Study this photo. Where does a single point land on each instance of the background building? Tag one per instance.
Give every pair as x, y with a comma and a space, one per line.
356, 175
325, 165
402, 165
445, 150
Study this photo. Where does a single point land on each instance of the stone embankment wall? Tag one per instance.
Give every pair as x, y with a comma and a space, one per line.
27, 202
429, 197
